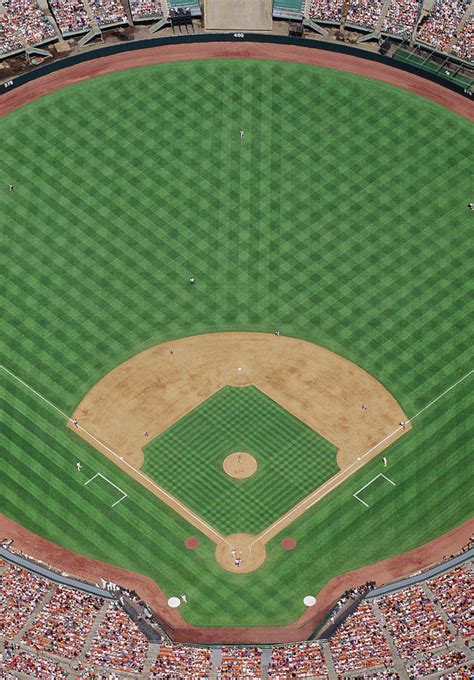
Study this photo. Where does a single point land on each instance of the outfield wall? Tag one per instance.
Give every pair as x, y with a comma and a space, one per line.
120, 48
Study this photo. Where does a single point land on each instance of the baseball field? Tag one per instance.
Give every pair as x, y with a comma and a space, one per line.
339, 220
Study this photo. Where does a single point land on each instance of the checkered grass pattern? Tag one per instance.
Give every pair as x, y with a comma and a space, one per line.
341, 218
292, 460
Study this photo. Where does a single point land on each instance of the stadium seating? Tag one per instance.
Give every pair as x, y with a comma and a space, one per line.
364, 13
118, 643
72, 625
455, 592
244, 662
20, 593
64, 623
401, 17
146, 9
413, 622
464, 44
359, 643
439, 28
33, 665
326, 10
297, 661
182, 659
71, 16
108, 12
26, 24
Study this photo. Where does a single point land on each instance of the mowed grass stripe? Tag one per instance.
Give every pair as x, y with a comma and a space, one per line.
371, 257
292, 460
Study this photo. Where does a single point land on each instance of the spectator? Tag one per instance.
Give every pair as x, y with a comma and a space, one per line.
239, 662
65, 622
413, 622
20, 593
359, 642
463, 45
71, 16
108, 12
326, 10
143, 9
118, 643
364, 13
440, 27
401, 17
455, 592
32, 26
301, 660
182, 661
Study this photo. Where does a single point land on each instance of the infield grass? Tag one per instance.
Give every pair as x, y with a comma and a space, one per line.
292, 460
341, 219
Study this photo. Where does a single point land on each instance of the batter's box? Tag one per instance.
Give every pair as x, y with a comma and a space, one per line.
379, 491
106, 490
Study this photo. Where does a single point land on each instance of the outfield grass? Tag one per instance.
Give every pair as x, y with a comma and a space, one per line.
341, 218
292, 460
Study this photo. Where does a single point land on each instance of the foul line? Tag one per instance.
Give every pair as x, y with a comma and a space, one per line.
343, 473
368, 484
121, 459
98, 474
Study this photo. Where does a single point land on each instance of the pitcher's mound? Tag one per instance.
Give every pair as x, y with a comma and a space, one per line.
192, 543
240, 465
288, 543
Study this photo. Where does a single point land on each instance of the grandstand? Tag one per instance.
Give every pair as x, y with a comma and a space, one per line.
447, 28
418, 629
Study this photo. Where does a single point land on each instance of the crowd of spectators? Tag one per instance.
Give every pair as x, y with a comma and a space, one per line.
435, 662
29, 21
440, 27
464, 44
9, 40
64, 623
108, 12
363, 12
326, 10
413, 622
20, 593
71, 16
179, 660
118, 643
301, 660
401, 17
359, 642
244, 662
142, 9
32, 665
455, 593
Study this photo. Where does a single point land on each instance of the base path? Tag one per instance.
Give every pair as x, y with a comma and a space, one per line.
144, 396
91, 570
245, 50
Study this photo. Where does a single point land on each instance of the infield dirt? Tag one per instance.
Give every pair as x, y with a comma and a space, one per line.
147, 394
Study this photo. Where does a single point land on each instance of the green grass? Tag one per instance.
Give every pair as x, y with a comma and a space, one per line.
341, 219
292, 460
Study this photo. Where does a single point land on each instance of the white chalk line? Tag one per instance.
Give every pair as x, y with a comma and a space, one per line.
121, 459
99, 474
344, 473
368, 484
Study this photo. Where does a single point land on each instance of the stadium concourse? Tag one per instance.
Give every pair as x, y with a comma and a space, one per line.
447, 27
50, 630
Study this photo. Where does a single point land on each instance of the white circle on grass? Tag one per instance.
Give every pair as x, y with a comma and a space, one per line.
309, 601
174, 602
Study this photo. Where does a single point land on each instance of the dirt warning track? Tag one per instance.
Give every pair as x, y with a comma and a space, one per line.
185, 52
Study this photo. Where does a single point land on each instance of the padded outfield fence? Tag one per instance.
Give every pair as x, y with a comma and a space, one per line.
457, 84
